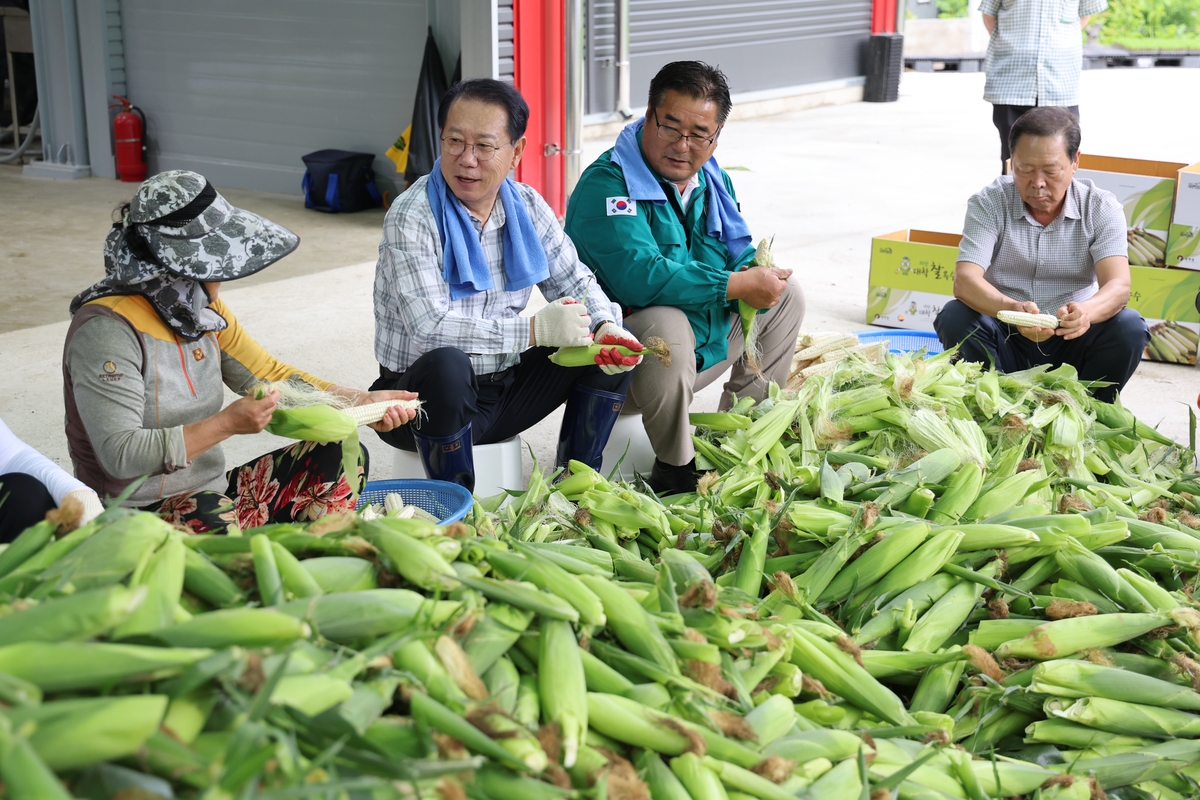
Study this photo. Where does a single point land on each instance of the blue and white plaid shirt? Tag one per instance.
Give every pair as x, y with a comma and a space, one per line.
1036, 51
1053, 264
413, 310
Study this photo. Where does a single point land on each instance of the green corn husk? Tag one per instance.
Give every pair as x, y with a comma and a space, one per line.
602, 678
843, 782
816, 579
247, 627
355, 616
296, 580
1149, 763
416, 561
69, 666
163, 579
443, 719
632, 625
1065, 637
959, 495
71, 734
805, 746
415, 658
111, 554
513, 737
633, 724
946, 615
266, 572
321, 423
658, 776
341, 573
562, 686
545, 574
524, 596
922, 564
209, 582
502, 681
25, 774
937, 687
844, 677
737, 779
72, 618
497, 629
921, 597
749, 573
1128, 719
28, 542
772, 718
980, 536
1080, 679
1005, 495
874, 564
528, 709
700, 782
1062, 732
498, 784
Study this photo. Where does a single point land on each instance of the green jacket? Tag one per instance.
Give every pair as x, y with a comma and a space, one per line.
660, 256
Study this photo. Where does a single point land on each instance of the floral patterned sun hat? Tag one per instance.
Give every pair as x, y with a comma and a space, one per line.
179, 222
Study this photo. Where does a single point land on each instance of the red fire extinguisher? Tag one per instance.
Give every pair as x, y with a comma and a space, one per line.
128, 129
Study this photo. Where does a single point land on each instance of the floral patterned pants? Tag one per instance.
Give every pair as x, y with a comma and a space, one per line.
298, 483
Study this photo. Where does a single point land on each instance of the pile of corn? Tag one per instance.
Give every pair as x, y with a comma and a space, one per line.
910, 580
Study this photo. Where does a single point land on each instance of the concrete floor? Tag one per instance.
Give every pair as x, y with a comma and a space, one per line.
823, 181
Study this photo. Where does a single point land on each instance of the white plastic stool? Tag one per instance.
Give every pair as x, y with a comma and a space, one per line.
628, 433
497, 466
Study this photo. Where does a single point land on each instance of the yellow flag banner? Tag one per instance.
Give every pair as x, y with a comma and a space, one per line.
399, 150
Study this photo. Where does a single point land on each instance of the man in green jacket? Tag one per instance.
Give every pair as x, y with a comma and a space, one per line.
658, 222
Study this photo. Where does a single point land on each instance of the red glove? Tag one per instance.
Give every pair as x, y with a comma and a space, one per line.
610, 359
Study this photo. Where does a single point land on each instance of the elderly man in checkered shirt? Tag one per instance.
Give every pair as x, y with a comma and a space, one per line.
462, 249
1034, 57
1040, 241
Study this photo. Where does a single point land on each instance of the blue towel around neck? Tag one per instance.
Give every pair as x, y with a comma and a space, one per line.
464, 266
725, 222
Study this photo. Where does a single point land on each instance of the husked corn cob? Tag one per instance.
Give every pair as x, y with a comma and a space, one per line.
370, 413
829, 344
1025, 319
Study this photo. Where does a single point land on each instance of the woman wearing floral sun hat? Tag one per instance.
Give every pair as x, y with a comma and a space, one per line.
150, 349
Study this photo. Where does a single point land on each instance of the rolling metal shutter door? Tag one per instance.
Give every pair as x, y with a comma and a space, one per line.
759, 44
504, 39
238, 90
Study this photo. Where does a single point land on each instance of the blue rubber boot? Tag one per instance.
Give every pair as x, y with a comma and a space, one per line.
587, 422
448, 458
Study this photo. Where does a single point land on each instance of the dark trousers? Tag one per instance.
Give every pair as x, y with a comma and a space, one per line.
24, 501
1109, 351
499, 405
1003, 117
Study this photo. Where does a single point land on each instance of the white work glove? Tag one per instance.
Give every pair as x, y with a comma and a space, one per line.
611, 361
92, 507
563, 323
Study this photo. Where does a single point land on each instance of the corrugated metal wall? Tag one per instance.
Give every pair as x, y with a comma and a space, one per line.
759, 44
239, 89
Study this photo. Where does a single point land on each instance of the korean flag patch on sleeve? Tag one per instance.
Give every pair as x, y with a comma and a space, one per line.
622, 207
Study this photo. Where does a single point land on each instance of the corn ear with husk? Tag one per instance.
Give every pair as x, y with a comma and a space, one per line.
1081, 679
247, 627
338, 574
322, 423
163, 579
585, 355
75, 617
70, 666
1127, 719
631, 624
412, 558
70, 734
25, 774
1065, 637
562, 686
748, 314
700, 782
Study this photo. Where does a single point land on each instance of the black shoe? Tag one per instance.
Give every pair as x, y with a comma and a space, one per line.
670, 479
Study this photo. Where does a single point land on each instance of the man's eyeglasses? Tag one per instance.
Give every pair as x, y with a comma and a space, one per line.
454, 146
669, 134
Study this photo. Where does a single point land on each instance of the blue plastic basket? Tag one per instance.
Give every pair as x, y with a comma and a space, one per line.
447, 501
904, 341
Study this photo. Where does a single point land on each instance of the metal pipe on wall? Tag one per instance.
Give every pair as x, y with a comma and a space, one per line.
75, 78
573, 55
622, 64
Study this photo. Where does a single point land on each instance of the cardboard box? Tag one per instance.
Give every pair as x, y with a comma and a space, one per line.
1166, 298
912, 277
1146, 189
1183, 239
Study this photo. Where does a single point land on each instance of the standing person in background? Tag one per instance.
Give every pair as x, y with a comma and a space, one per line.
1034, 57
658, 221
31, 485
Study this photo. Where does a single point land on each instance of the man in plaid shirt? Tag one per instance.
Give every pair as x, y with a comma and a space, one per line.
462, 249
1040, 241
1034, 57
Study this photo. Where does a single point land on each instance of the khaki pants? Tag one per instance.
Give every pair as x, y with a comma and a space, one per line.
662, 395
